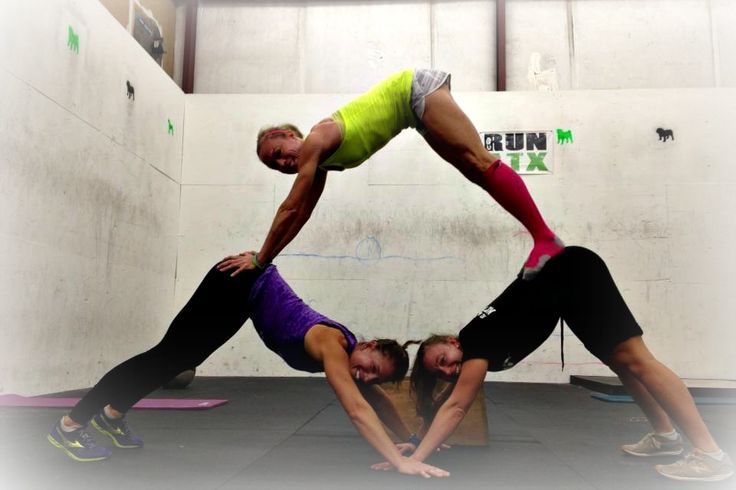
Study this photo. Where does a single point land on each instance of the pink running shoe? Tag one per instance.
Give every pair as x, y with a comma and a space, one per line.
540, 255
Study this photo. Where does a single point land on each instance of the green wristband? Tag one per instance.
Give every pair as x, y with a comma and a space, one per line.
254, 261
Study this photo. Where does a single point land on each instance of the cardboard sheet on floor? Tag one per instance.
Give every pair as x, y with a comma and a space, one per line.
472, 431
146, 403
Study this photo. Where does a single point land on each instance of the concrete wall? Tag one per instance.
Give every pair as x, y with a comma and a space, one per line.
93, 193
89, 195
402, 246
306, 46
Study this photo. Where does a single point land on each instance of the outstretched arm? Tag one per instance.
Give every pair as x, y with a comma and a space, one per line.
298, 205
305, 212
452, 412
362, 415
386, 410
291, 215
296, 209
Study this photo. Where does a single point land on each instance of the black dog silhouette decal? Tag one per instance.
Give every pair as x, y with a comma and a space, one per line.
665, 134
131, 90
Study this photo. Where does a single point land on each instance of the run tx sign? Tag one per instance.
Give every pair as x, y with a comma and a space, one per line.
527, 152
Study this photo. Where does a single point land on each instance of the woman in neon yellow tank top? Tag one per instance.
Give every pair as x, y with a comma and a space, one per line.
410, 98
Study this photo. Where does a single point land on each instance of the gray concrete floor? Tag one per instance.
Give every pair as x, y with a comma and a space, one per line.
292, 433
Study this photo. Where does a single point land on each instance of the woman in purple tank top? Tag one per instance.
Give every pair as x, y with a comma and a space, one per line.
305, 339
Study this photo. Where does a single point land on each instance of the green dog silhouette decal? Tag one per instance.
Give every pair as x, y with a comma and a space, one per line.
73, 40
564, 136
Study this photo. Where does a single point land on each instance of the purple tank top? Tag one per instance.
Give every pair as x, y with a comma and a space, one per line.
282, 320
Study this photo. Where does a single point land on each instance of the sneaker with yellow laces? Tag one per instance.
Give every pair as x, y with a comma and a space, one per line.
77, 444
117, 430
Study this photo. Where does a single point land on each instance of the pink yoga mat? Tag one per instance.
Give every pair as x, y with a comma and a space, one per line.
146, 403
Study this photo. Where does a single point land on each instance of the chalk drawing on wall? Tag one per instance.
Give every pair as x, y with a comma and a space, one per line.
665, 134
369, 250
72, 40
564, 136
527, 152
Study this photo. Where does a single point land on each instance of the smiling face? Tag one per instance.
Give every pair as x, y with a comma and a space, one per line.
444, 359
369, 365
279, 150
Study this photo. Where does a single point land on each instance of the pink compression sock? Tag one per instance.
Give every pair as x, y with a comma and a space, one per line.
509, 190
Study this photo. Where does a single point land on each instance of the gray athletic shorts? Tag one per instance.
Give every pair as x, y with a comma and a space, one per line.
424, 83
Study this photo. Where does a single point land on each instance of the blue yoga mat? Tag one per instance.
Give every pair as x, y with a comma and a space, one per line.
700, 400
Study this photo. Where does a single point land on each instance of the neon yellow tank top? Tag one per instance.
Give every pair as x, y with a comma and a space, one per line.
372, 120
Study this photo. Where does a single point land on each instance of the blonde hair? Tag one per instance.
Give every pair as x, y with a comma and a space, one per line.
268, 129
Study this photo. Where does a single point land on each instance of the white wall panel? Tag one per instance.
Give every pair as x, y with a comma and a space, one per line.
464, 43
91, 83
338, 46
634, 44
89, 198
248, 47
723, 17
537, 45
350, 46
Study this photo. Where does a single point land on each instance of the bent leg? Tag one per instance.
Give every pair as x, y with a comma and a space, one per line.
666, 388
452, 135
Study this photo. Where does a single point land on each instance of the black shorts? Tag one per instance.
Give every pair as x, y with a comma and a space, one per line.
575, 286
589, 301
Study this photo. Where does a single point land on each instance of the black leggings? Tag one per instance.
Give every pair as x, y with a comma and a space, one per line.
216, 311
